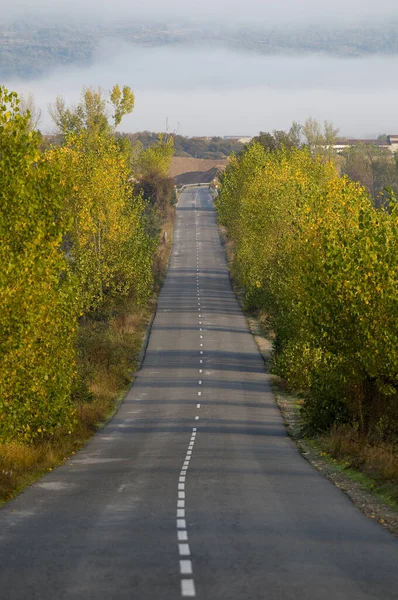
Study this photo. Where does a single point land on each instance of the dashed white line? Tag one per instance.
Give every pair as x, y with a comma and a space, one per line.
187, 585
185, 567
184, 549
188, 588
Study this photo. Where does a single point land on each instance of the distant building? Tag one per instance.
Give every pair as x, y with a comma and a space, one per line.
391, 143
243, 139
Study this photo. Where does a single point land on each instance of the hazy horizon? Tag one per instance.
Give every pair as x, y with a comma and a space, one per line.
224, 92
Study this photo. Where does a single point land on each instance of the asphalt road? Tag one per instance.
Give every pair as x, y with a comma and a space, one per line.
194, 488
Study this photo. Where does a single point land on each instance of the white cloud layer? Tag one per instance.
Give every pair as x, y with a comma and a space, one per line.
219, 92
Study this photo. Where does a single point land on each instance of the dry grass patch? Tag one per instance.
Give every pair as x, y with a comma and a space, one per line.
21, 465
379, 461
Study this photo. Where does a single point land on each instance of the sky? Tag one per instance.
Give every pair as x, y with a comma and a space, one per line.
267, 12
216, 91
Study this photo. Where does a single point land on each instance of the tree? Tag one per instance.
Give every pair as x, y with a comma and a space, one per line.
38, 304
320, 141
28, 108
107, 245
278, 139
66, 120
123, 103
296, 133
374, 167
314, 256
157, 158
91, 114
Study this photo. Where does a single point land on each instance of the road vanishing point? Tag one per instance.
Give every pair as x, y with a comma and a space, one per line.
194, 489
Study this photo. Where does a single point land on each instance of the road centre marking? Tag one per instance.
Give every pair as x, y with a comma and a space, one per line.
185, 567
188, 588
187, 585
184, 549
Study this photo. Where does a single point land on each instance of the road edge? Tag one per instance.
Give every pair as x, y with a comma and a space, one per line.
370, 504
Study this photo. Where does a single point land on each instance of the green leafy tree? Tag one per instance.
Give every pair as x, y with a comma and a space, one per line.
108, 248
314, 255
38, 296
91, 114
29, 108
122, 102
157, 158
374, 167
320, 141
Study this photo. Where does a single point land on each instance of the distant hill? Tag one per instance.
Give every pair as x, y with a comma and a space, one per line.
196, 177
181, 166
30, 47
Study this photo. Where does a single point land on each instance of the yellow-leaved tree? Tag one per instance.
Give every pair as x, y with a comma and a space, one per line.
107, 245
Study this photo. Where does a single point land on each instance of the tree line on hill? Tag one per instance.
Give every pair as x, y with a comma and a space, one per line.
56, 43
196, 147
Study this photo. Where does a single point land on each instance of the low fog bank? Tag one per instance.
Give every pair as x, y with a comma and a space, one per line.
220, 92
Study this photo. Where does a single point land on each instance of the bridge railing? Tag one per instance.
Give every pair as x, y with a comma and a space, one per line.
191, 185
